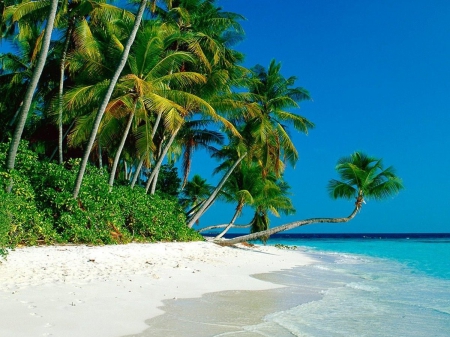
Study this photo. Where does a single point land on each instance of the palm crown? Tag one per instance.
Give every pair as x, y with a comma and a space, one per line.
364, 177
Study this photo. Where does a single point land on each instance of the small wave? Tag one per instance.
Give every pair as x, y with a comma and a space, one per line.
360, 286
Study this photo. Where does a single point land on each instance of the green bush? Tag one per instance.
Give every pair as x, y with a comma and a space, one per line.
41, 210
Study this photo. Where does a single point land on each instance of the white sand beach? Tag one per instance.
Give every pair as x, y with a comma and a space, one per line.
112, 290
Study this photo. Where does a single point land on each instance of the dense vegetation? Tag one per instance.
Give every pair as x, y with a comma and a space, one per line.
109, 95
41, 209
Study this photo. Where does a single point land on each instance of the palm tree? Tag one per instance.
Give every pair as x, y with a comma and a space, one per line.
241, 187
194, 136
262, 123
194, 193
75, 14
362, 177
31, 89
153, 73
275, 96
107, 97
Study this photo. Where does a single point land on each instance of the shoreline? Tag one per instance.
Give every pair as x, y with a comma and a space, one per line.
113, 290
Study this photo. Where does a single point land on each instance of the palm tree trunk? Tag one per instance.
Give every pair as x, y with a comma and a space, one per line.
12, 152
107, 97
100, 158
236, 214
64, 136
138, 170
161, 158
62, 67
120, 148
222, 226
155, 178
125, 169
286, 227
213, 195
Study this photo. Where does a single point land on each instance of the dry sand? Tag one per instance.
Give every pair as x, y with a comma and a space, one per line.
112, 290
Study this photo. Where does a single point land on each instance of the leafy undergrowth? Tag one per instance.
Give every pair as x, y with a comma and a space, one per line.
41, 210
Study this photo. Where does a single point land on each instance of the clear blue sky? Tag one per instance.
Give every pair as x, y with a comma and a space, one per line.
379, 74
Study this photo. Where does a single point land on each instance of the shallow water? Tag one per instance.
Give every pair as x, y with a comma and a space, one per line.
358, 287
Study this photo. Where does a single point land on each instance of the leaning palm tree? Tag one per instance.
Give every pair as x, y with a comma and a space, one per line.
362, 177
12, 152
107, 97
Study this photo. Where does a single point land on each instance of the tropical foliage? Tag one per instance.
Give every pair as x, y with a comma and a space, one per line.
110, 100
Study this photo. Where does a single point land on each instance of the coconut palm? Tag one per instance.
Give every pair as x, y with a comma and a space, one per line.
12, 152
194, 193
107, 97
241, 187
73, 21
194, 136
275, 96
362, 178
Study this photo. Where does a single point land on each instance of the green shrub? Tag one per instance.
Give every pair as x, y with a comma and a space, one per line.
41, 210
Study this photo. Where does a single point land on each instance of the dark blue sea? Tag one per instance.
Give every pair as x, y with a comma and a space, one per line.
370, 285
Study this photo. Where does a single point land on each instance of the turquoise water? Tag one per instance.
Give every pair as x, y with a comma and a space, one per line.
370, 287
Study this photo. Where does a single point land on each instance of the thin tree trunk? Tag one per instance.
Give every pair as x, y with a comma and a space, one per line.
213, 195
236, 214
120, 148
154, 182
12, 152
62, 67
286, 227
222, 226
161, 158
64, 136
155, 178
138, 170
105, 102
125, 169
100, 158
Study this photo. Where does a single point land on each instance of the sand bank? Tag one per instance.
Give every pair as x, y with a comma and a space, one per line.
112, 290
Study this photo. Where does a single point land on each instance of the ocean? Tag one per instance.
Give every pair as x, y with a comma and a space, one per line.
372, 285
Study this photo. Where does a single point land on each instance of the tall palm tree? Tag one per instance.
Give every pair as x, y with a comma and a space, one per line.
262, 124
74, 15
362, 177
275, 96
31, 89
153, 73
107, 97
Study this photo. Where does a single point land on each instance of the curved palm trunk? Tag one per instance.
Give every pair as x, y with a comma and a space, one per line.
107, 97
286, 227
213, 195
62, 67
12, 152
120, 148
139, 168
222, 226
161, 158
233, 220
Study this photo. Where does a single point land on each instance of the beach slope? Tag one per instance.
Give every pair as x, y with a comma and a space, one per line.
112, 290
